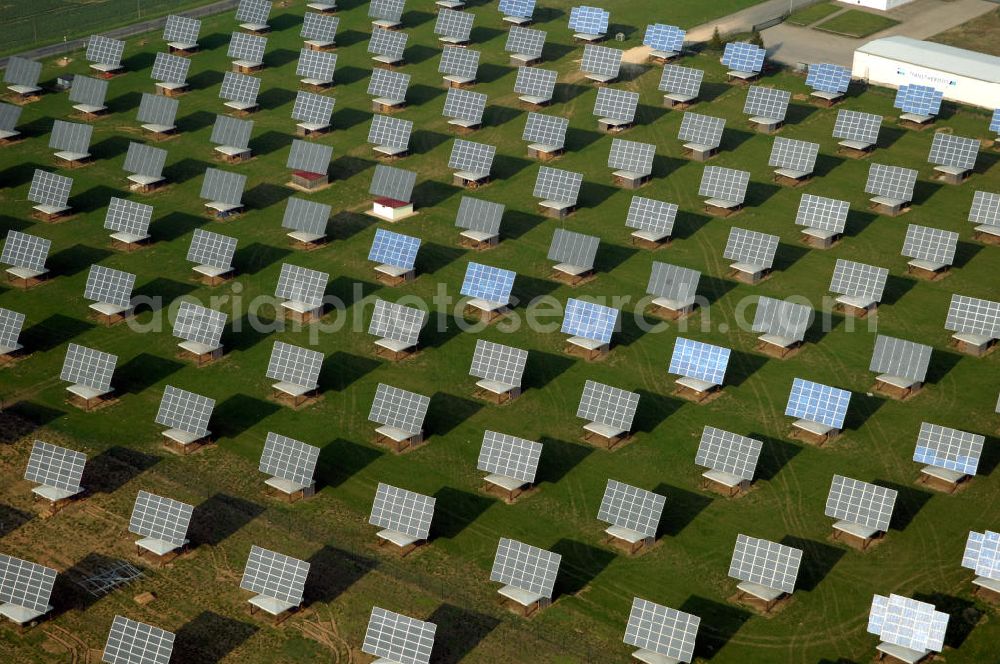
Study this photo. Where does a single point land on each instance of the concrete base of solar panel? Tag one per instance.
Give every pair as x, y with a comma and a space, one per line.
478, 245
275, 619
244, 111
109, 319
776, 351
26, 282
629, 182
232, 157
973, 349
12, 355
785, 181
631, 548
88, 114
459, 180
916, 124
750, 278
382, 107
107, 74
301, 129
509, 496
942, 484
762, 606
608, 443
709, 484
255, 28
53, 507
157, 135
949, 177
522, 610
224, 215
826, 99
699, 155
465, 128
184, 51
556, 210
172, 90
542, 155
395, 280
309, 183
398, 446
811, 437
572, 279
928, 275
609, 126
185, 448
856, 312
72, 163
51, 215
671, 314
586, 353
201, 359
213, 280
986, 594
391, 213
742, 78
820, 242
25, 98
295, 401
290, 497
856, 542
487, 316
722, 212
392, 354
498, 398
855, 153
91, 403
663, 57
677, 104
896, 392
160, 560
646, 243
10, 137
986, 237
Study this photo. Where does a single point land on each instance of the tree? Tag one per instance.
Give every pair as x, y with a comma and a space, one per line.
716, 43
756, 39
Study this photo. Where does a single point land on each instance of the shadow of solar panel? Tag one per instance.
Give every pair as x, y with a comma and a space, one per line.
223, 186
184, 410
535, 82
394, 183
394, 637
695, 359
300, 284
823, 213
647, 214
239, 87
181, 29
589, 320
160, 518
311, 107
143, 159
955, 151
818, 403
86, 366
488, 283
557, 185
898, 357
87, 90
23, 250
930, 244
970, 315
104, 50
26, 584
107, 285
751, 247
394, 249
475, 214
471, 157
509, 456
388, 84
21, 71
724, 183
616, 104
464, 105
794, 155
253, 11
157, 110
199, 324
504, 364
857, 126
388, 10
589, 20
770, 103
948, 448
701, 129
545, 129
982, 554
316, 65
681, 80
765, 563
828, 78
397, 322
601, 60
212, 249
11, 323
54, 466
525, 41
782, 318
459, 62
918, 99
231, 131
743, 56
275, 575
630, 507
388, 43
404, 511
573, 248
319, 27
662, 630
672, 282
728, 453
70, 136
170, 68
398, 408
860, 502
288, 459
309, 157
49, 189
295, 365
525, 567
858, 279
908, 623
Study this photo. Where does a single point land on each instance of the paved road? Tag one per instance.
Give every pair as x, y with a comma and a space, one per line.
742, 21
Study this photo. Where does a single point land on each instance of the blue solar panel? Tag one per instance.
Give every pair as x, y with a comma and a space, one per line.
589, 320
589, 20
741, 56
828, 78
960, 463
995, 121
818, 403
523, 8
664, 37
919, 99
394, 249
488, 283
948, 448
695, 359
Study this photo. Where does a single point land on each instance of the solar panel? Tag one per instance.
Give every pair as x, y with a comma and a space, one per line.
320, 27
133, 642
86, 366
306, 216
157, 110
388, 84
212, 249
728, 453
930, 244
765, 563
239, 87
478, 215
459, 62
589, 320
589, 20
311, 107
249, 48
404, 511
509, 456
394, 249
794, 155
982, 554
275, 575
724, 183
49, 188
223, 186
701, 129
948, 448
557, 185
87, 90
662, 630
898, 357
389, 10
187, 411
488, 283
454, 24
662, 37
681, 80
288, 459
104, 50
525, 567
21, 71
608, 405
857, 126
825, 77
546, 129
253, 11
860, 502
858, 279
9, 116
199, 324
397, 322
770, 103
908, 623
826, 214
390, 132
398, 408
471, 157
493, 361
601, 60
751, 247
647, 214
782, 318
143, 159
301, 284
388, 43
295, 365
26, 584
464, 105
630, 507
971, 315
985, 208
618, 105
394, 637
107, 285
695, 359
168, 68
394, 183
54, 466
573, 248
743, 56
231, 131
317, 65
818, 403
525, 41
535, 82
309, 157
522, 8
70, 136
181, 29
23, 250
672, 281
918, 99
11, 323
952, 150
160, 518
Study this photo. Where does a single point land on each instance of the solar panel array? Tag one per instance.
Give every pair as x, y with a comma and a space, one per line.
306, 216
794, 155
184, 410
525, 567
454, 24
681, 80
982, 554
459, 62
223, 186
608, 405
728, 452
318, 65
898, 357
311, 107
557, 185
546, 129
86, 366
231, 131
54, 466
199, 324
239, 87
208, 248
394, 637
770, 103
985, 208
858, 279
390, 132
87, 90
525, 41
828, 214
253, 11
275, 575
479, 215
857, 126
21, 71
133, 642
157, 110
493, 361
288, 459
695, 359
724, 183
70, 136
389, 10
573, 248
631, 156
509, 456
49, 188
160, 518
765, 563
388, 84
143, 159
672, 281
492, 284
394, 183
743, 56
108, 285
387, 43
701, 129
662, 630
9, 116
815, 402
319, 27
751, 247
11, 323
860, 502
181, 29
630, 507
589, 20
908, 623
104, 50
930, 244
664, 37
309, 157
535, 82
300, 284
471, 157
616, 104
397, 322
23, 250
647, 214
464, 105
399, 408
828, 78
952, 150
394, 249
589, 320
601, 60
26, 584
782, 318
522, 8
168, 68
294, 364
404, 511
948, 448
918, 99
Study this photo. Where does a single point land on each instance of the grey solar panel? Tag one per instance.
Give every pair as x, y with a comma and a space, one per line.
619, 105
387, 43
394, 637
288, 459
908, 623
970, 315
397, 322
944, 447
132, 642
320, 27
459, 62
9, 116
782, 318
104, 50
70, 136
54, 466
388, 84
751, 247
389, 10
701, 129
464, 105
26, 584
89, 367
471, 157
557, 185
647, 214
157, 110
724, 183
169, 68
311, 107
857, 126
662, 630
223, 186
199, 324
21, 71
955, 151
181, 29
309, 157
231, 131
184, 410
478, 215
111, 286
535, 82
699, 360
546, 129
601, 60
23, 250
525, 567
454, 24
239, 88
573, 248
509, 456
898, 357
982, 554
253, 11
301, 284
858, 279
630, 507
607, 405
306, 216
87, 90
891, 181
160, 518
822, 213
316, 65
390, 132
49, 188
985, 208
672, 281
769, 103
631, 156
275, 575
794, 155
394, 183
728, 452
399, 408
860, 502
765, 563
295, 365
404, 511
589, 20
11, 323
143, 159
208, 248
526, 41
493, 361
930, 244
681, 80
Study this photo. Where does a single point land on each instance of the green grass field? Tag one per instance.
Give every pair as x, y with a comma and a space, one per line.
447, 581
856, 23
812, 13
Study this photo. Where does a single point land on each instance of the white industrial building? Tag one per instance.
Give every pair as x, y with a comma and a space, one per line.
963, 76
884, 5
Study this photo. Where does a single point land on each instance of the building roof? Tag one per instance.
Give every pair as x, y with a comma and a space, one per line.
941, 57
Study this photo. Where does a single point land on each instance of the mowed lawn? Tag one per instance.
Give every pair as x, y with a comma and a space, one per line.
448, 580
